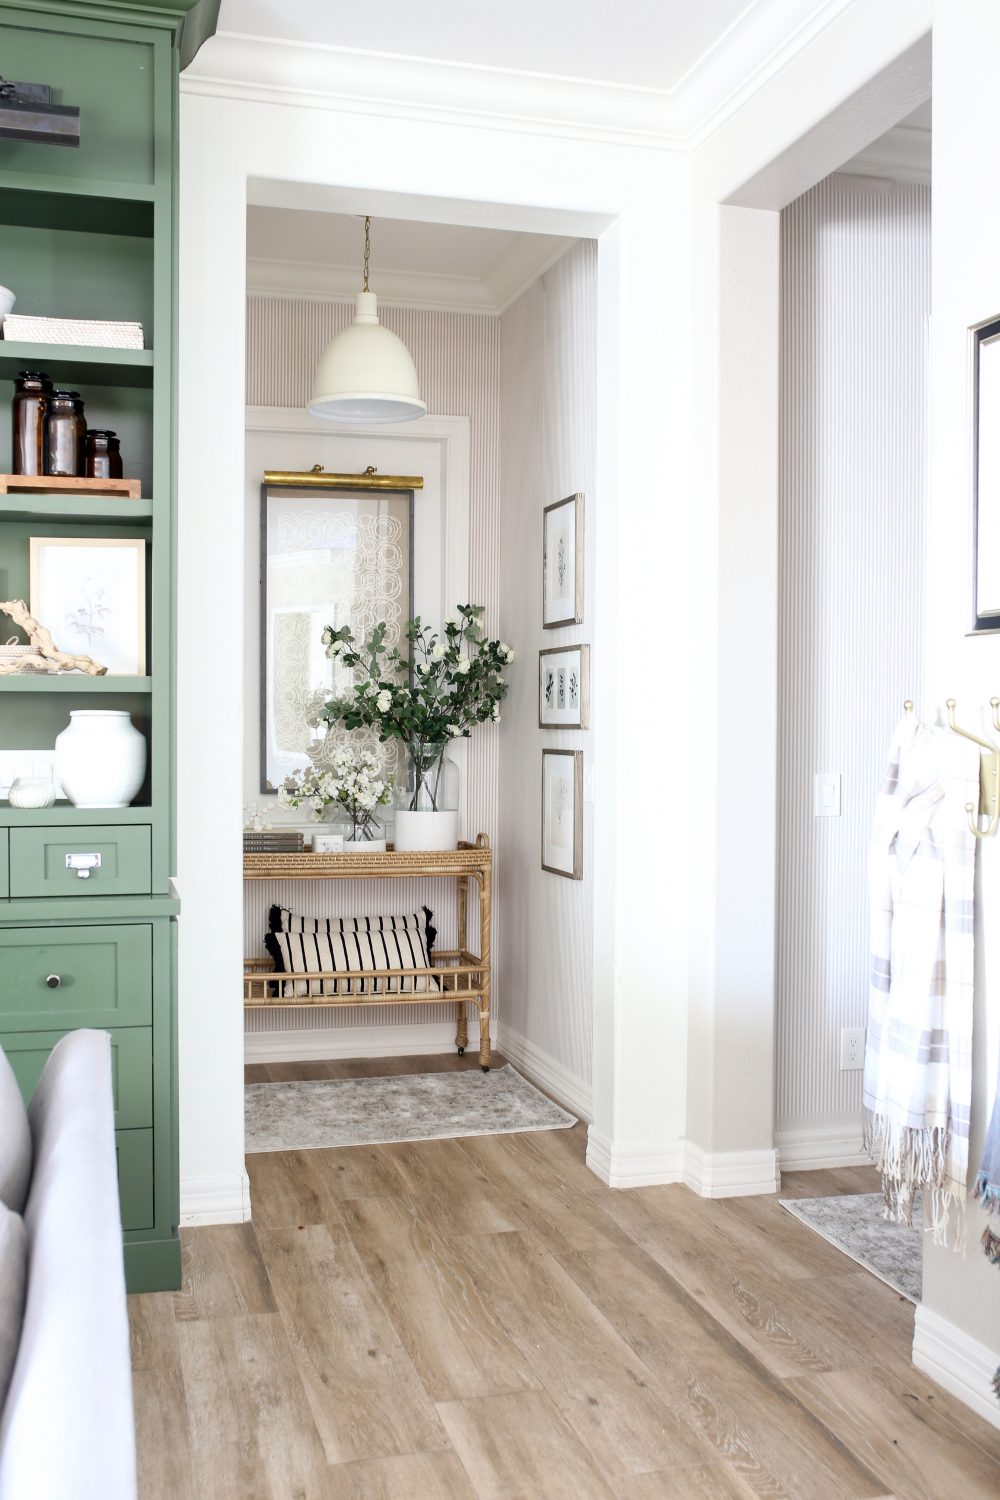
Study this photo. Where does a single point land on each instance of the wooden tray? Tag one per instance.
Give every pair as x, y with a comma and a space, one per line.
49, 484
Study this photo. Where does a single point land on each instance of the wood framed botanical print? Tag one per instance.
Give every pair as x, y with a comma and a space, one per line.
562, 813
564, 687
562, 563
986, 469
90, 592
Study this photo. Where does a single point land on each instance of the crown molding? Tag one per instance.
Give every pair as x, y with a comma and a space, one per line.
306, 281
758, 44
271, 71
528, 258
903, 154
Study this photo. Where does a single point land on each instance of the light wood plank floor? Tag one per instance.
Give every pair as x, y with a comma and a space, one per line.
483, 1320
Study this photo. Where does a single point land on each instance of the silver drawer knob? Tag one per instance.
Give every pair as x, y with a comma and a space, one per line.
53, 981
83, 864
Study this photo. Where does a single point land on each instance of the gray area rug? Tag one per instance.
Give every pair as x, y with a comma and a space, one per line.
854, 1223
412, 1107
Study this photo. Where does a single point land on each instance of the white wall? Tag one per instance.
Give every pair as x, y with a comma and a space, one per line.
855, 301
512, 177
960, 1316
548, 401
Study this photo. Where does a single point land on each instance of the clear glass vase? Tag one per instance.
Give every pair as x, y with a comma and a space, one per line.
427, 796
367, 830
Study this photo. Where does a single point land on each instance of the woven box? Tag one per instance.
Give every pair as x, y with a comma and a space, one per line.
28, 330
16, 654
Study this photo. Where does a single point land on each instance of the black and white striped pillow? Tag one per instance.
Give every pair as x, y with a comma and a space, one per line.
353, 953
283, 919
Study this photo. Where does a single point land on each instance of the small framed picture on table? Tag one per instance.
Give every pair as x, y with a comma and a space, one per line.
562, 563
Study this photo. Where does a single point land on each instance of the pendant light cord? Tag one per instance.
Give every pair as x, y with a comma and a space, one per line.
368, 249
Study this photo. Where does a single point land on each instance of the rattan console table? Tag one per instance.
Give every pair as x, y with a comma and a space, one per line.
463, 977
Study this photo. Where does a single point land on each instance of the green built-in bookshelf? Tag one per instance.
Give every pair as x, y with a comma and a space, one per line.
89, 232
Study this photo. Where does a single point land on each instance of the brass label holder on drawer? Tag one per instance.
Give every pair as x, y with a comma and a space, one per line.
83, 864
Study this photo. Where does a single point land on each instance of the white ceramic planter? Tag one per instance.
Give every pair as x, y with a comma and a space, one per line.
426, 830
100, 758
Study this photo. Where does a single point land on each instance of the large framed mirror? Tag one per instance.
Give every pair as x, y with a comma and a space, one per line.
986, 468
335, 550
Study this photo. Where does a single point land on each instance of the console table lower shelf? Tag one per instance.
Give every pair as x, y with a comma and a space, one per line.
462, 977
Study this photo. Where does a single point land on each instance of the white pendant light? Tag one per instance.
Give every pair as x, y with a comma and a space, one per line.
366, 373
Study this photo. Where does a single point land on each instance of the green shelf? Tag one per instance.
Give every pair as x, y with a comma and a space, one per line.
74, 682
78, 363
105, 509
109, 510
63, 814
57, 202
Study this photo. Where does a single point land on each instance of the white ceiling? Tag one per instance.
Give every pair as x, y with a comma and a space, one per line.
449, 267
641, 44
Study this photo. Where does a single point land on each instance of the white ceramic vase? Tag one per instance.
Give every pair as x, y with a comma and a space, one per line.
425, 830
100, 758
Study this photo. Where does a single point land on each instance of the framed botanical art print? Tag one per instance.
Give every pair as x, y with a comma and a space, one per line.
564, 688
986, 469
90, 592
562, 812
562, 563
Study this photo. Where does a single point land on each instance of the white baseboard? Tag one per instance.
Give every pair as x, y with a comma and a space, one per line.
730, 1174
957, 1361
567, 1088
817, 1147
354, 1041
635, 1164
720, 1174
215, 1200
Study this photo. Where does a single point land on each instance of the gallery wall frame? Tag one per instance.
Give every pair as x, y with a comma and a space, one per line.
986, 474
564, 687
562, 813
562, 562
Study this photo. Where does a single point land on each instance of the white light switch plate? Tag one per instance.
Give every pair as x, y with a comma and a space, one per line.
826, 795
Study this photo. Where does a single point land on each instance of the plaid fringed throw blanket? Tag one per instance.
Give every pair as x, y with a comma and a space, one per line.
918, 1056
988, 1184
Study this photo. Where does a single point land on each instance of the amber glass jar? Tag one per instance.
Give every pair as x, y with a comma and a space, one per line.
65, 429
101, 455
31, 390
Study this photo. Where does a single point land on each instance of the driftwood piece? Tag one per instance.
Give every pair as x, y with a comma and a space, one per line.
46, 653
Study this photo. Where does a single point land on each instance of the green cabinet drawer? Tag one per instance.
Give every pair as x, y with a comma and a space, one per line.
4, 864
64, 977
89, 861
131, 1069
135, 1178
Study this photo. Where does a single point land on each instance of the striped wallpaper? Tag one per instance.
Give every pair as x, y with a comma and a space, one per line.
548, 346
855, 300
458, 361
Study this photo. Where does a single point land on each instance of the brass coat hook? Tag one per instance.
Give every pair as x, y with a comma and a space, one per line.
989, 776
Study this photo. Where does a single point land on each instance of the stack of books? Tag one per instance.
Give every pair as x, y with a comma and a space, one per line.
272, 841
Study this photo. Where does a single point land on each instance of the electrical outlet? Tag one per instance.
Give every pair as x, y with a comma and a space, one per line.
852, 1048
